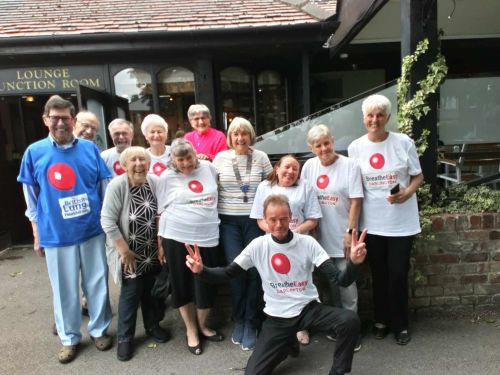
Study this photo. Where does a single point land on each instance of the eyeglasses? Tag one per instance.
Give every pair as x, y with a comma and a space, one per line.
54, 120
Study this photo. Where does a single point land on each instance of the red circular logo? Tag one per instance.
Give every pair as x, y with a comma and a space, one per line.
118, 168
158, 168
377, 161
280, 263
322, 181
195, 186
61, 176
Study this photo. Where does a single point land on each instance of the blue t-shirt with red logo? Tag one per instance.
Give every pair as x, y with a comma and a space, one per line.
69, 203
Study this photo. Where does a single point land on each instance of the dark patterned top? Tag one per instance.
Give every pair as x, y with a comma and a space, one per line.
142, 229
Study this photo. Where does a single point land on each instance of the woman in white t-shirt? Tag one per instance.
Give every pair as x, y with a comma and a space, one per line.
155, 130
337, 182
241, 169
391, 175
303, 201
187, 203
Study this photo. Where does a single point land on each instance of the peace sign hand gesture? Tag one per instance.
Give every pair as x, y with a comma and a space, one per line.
193, 259
358, 247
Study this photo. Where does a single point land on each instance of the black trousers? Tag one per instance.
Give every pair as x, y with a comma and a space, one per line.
134, 292
389, 259
277, 334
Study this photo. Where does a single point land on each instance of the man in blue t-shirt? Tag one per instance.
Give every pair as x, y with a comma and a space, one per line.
64, 179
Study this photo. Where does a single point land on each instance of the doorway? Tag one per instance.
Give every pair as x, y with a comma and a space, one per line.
20, 125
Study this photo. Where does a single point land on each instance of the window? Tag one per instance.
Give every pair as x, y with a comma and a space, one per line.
263, 101
237, 95
135, 85
271, 101
176, 94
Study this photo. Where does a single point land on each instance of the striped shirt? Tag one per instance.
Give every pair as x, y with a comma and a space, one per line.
230, 194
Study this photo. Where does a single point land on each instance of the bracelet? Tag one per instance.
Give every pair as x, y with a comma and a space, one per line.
349, 230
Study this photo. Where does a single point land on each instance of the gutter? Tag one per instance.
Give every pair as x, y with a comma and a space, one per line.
147, 40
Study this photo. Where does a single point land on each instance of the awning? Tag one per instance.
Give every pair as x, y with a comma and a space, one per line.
353, 16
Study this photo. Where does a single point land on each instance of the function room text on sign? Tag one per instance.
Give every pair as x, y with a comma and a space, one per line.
50, 79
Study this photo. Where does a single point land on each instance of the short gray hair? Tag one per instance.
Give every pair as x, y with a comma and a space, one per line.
316, 133
198, 108
131, 151
181, 147
376, 101
243, 125
277, 200
153, 120
118, 121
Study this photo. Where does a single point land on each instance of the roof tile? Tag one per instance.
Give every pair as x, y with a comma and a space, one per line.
58, 17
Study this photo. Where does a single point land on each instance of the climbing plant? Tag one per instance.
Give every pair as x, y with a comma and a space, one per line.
416, 107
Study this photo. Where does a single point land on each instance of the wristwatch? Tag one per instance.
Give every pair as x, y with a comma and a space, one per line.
349, 230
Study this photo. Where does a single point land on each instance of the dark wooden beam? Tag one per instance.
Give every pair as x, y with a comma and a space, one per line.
419, 21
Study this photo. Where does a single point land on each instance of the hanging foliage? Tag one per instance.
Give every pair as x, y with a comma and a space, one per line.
416, 107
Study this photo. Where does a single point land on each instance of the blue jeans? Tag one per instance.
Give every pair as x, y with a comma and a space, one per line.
236, 232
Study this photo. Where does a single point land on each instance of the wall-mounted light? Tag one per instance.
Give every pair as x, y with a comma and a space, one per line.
29, 98
344, 56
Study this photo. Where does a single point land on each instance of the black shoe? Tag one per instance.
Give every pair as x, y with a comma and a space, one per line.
196, 350
294, 348
158, 334
380, 332
216, 337
403, 338
124, 350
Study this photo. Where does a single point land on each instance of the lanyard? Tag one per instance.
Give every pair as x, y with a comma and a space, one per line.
243, 187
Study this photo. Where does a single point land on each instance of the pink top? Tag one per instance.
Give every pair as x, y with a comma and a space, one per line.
210, 143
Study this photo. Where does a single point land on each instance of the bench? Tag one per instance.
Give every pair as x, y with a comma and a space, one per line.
466, 162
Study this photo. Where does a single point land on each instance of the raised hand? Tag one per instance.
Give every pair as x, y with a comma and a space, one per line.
193, 259
358, 246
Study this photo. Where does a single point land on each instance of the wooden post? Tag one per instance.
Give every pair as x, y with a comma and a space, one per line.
419, 21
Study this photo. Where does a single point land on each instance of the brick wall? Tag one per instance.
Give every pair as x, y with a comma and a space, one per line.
458, 270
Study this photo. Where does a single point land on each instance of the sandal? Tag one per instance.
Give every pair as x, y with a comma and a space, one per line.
67, 353
303, 337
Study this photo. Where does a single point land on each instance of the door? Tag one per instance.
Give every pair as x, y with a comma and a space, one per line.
106, 107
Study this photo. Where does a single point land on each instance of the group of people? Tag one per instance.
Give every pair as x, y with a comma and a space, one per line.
131, 211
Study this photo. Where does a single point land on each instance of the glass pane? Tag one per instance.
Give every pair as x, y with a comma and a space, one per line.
345, 121
237, 97
97, 109
176, 91
135, 85
271, 102
470, 110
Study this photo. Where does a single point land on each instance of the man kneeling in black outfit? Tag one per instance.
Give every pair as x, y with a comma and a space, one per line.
285, 261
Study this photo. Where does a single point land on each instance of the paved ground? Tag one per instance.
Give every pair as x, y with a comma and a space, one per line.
439, 346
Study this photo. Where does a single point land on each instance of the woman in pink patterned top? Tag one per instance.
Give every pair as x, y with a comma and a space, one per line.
206, 140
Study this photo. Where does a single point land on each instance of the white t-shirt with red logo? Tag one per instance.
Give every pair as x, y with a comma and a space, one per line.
188, 206
335, 185
159, 163
383, 165
112, 159
302, 199
285, 270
